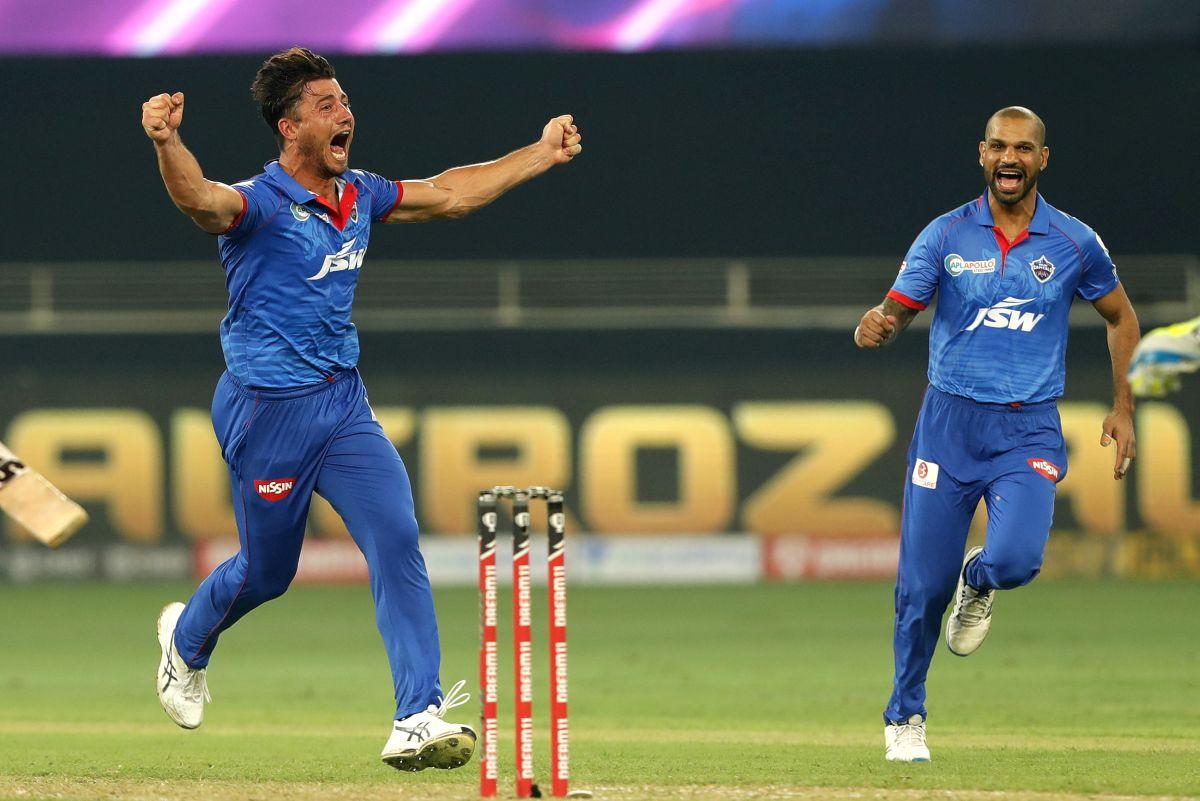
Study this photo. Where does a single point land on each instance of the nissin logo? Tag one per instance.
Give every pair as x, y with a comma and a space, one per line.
344, 259
1046, 468
1005, 314
275, 489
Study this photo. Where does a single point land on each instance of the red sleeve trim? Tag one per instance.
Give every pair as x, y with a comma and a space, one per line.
905, 300
396, 205
241, 214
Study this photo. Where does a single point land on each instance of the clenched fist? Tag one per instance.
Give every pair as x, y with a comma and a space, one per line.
875, 329
562, 137
162, 115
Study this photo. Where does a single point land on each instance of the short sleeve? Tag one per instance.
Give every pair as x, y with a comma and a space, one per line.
258, 202
1098, 275
917, 281
385, 194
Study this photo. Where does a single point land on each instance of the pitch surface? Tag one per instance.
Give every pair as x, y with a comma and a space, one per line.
774, 691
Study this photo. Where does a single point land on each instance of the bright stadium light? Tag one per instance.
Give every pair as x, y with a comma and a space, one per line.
645, 23
407, 25
157, 26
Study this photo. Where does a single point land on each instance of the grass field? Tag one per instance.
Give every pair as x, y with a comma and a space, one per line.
700, 692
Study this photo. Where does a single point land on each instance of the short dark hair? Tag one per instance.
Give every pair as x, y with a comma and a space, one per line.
281, 80
1020, 113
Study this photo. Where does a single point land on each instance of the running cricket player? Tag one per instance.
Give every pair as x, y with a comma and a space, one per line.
290, 412
1006, 268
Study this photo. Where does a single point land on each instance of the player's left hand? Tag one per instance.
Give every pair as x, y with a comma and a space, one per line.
1119, 426
562, 137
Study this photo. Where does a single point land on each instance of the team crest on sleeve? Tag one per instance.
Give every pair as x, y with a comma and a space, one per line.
925, 474
1042, 269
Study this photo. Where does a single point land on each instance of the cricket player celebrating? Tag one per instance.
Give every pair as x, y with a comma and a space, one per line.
1005, 267
290, 412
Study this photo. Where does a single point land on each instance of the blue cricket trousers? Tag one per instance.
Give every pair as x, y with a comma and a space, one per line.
1010, 456
281, 446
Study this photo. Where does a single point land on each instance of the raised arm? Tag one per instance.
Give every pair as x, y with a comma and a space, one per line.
1123, 336
912, 290
881, 324
459, 191
213, 206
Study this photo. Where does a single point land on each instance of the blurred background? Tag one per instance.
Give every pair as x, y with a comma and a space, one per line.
662, 328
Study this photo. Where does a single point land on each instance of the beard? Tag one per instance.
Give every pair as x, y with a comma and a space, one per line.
1005, 197
315, 153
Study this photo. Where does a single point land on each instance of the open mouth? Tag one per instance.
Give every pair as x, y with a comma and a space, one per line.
339, 144
1008, 180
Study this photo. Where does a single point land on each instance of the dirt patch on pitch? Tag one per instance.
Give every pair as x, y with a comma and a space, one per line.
37, 789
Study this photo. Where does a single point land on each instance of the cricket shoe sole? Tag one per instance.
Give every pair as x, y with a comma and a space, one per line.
449, 751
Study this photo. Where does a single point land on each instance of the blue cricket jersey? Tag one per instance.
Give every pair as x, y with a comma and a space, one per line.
291, 266
999, 332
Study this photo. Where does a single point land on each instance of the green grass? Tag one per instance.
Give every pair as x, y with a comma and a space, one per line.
1082, 688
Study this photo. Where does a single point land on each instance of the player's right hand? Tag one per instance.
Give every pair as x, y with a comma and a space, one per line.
162, 115
561, 135
875, 329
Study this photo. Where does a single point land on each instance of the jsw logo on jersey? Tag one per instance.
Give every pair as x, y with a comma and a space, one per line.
344, 259
1006, 315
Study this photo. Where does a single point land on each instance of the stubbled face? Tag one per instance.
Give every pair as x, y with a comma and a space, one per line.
1012, 156
324, 127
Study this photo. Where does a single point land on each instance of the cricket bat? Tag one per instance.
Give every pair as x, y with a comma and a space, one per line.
35, 503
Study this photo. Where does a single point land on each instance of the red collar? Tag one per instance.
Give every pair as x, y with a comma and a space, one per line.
1002, 240
339, 216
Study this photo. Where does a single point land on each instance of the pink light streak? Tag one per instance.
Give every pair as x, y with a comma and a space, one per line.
407, 26
165, 26
643, 26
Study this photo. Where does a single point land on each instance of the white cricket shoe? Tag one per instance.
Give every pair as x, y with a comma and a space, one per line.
905, 742
424, 740
968, 624
182, 691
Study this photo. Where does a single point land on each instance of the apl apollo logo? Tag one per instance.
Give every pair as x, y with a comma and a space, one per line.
274, 489
956, 265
